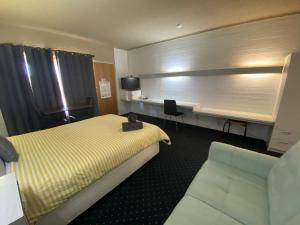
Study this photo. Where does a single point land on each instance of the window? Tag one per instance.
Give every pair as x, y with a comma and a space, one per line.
27, 69
60, 84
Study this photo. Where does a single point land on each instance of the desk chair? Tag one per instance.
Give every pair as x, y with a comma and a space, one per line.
170, 109
239, 122
81, 111
49, 121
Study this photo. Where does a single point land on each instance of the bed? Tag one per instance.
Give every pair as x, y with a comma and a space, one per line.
64, 170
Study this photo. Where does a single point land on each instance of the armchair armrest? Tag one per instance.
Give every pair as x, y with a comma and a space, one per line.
243, 159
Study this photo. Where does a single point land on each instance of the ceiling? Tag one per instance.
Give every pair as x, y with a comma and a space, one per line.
129, 24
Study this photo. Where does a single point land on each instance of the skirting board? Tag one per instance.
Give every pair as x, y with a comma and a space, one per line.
276, 150
81, 201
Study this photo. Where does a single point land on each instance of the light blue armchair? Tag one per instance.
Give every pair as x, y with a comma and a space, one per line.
238, 186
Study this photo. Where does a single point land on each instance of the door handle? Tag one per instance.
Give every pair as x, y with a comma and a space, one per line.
285, 132
283, 143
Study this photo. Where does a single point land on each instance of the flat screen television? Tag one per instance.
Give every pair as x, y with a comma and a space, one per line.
130, 83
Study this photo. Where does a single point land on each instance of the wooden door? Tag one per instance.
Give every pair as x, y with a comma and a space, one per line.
105, 75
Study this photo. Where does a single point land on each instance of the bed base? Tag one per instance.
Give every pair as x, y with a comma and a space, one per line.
84, 199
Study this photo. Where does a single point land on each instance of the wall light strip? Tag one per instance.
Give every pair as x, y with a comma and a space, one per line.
227, 71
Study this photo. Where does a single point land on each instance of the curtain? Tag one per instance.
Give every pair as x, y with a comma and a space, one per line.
15, 92
29, 85
46, 93
77, 78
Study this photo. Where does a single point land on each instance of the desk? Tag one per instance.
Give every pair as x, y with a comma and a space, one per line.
235, 115
56, 116
221, 113
182, 104
69, 108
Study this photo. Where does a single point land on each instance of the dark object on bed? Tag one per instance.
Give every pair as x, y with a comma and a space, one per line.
132, 118
132, 124
129, 126
7, 151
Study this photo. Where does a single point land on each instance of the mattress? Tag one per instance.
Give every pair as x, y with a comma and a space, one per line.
56, 163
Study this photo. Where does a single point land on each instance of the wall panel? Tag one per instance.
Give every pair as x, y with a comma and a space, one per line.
261, 43
255, 44
244, 92
121, 70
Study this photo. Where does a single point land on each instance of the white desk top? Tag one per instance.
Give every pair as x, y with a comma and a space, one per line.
238, 115
229, 114
188, 105
10, 203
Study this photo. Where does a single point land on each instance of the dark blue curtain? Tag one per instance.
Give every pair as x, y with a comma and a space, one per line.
15, 92
77, 78
25, 91
46, 93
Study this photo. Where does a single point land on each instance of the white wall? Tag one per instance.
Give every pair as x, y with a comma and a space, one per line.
261, 43
3, 131
286, 130
254, 93
57, 40
256, 44
121, 70
258, 131
239, 92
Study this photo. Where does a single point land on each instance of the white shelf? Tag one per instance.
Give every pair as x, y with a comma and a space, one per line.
238, 115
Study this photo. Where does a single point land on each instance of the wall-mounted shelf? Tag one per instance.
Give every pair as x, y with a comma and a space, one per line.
222, 113
227, 71
238, 115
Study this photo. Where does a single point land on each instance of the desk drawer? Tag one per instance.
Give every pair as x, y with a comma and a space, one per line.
282, 145
285, 135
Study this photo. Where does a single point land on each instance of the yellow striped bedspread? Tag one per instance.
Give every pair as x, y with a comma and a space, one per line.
56, 163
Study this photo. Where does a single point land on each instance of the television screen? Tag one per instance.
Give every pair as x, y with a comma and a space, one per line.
130, 83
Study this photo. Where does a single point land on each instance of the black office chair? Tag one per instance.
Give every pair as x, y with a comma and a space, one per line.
82, 111
170, 109
49, 121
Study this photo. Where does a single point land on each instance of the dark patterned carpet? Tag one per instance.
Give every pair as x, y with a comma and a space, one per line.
151, 193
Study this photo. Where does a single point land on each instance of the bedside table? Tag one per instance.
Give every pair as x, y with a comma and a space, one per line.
11, 210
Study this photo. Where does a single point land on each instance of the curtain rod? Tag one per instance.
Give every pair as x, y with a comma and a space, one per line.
56, 50
47, 49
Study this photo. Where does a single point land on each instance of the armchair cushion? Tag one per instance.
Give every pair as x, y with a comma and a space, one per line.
237, 186
238, 194
245, 160
284, 189
190, 211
